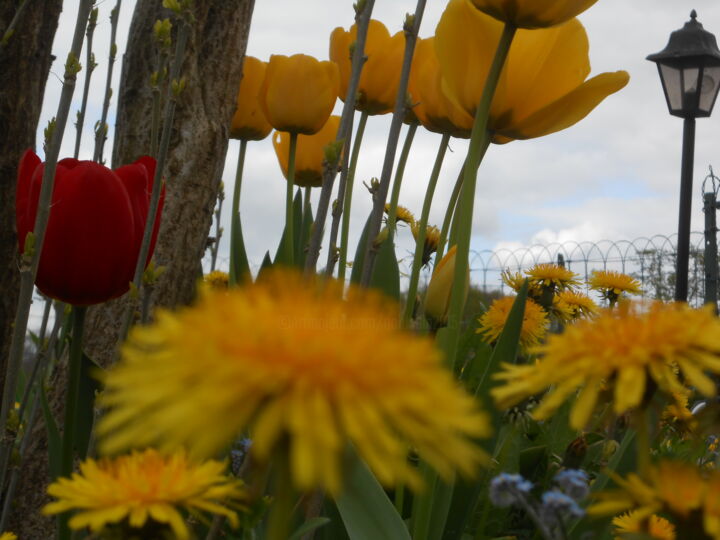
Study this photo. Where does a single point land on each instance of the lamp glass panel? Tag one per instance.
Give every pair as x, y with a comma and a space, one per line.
709, 89
690, 79
672, 83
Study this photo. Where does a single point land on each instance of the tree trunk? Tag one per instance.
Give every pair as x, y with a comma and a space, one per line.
198, 146
24, 66
212, 69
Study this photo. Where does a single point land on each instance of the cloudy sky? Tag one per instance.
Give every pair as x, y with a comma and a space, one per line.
613, 176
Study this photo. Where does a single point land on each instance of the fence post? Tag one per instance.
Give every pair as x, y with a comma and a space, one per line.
711, 254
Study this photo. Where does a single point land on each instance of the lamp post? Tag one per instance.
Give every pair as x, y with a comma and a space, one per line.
689, 70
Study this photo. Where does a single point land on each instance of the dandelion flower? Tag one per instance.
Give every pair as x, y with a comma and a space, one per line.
515, 281
217, 279
534, 325
612, 284
293, 363
402, 214
552, 276
670, 344
144, 486
634, 523
573, 305
432, 240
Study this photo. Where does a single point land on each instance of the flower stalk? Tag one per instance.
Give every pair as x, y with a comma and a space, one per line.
412, 28
101, 128
234, 276
289, 237
399, 173
362, 18
90, 66
30, 259
422, 230
479, 142
449, 212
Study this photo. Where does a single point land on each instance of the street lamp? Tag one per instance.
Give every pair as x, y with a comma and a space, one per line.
689, 70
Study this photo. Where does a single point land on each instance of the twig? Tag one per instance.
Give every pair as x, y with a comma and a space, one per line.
90, 66
412, 27
397, 184
363, 12
101, 128
218, 229
10, 31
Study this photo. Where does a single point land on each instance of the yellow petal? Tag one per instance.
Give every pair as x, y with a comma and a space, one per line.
629, 388
584, 405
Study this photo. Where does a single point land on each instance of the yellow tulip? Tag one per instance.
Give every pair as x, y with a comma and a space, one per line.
309, 155
299, 93
430, 106
437, 296
542, 88
533, 13
380, 76
249, 122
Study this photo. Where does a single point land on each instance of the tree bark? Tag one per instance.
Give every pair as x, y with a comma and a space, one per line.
24, 67
212, 69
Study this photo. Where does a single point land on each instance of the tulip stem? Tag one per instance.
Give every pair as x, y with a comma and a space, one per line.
289, 236
90, 66
479, 142
30, 259
412, 28
449, 212
362, 20
101, 128
399, 173
345, 195
71, 404
234, 274
169, 113
422, 230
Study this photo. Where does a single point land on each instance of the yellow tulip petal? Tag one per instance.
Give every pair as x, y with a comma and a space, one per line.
568, 110
533, 13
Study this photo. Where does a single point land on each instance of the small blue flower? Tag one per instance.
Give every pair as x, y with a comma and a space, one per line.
507, 489
555, 506
574, 483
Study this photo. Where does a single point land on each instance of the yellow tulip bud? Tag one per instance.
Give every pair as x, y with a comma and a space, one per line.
542, 89
309, 155
533, 13
437, 297
249, 122
299, 92
380, 76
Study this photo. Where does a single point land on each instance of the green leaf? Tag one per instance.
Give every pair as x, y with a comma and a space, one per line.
359, 261
53, 435
280, 255
266, 265
310, 525
386, 273
89, 387
239, 265
365, 508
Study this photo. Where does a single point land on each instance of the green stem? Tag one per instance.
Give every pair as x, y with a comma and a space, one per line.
399, 112
169, 113
479, 142
643, 443
283, 506
71, 402
289, 240
235, 211
102, 127
31, 258
422, 230
363, 12
449, 212
89, 68
399, 173
303, 223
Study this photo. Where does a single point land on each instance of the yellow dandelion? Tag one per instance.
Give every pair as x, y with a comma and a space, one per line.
144, 486
534, 325
671, 344
635, 523
432, 240
678, 489
572, 305
678, 413
612, 284
553, 276
294, 363
402, 214
217, 279
8, 536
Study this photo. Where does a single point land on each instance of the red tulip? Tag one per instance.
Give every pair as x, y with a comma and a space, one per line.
96, 224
